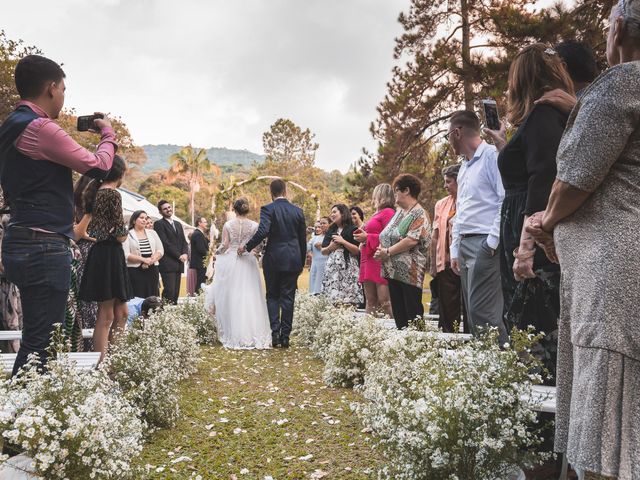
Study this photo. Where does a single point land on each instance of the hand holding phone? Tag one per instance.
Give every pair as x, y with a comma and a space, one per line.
88, 122
491, 118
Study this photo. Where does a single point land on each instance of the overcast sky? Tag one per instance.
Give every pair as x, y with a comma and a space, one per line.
218, 73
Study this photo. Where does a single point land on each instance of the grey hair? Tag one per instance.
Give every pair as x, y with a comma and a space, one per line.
629, 10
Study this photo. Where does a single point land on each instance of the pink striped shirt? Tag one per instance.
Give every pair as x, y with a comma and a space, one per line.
43, 139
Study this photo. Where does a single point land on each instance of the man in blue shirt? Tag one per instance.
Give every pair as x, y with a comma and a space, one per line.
476, 227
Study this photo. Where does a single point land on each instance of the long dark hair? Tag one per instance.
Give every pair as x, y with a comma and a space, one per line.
118, 169
78, 191
345, 216
134, 217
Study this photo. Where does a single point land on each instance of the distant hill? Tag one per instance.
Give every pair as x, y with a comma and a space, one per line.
158, 157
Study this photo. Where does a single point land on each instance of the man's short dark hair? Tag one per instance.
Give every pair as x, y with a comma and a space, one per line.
199, 221
580, 60
465, 119
406, 180
160, 204
33, 73
278, 188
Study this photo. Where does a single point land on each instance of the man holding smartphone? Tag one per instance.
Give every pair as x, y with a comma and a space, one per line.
476, 226
37, 160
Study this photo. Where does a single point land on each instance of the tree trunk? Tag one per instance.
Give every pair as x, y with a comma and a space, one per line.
192, 203
467, 81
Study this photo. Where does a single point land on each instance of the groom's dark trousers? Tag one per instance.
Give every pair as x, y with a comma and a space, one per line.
284, 225
281, 295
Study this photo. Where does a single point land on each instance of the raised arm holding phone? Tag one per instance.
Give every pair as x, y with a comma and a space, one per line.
37, 159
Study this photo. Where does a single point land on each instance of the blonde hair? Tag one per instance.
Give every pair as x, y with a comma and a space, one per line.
382, 196
536, 69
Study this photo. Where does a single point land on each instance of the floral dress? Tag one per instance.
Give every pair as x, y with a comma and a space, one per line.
10, 306
340, 279
72, 315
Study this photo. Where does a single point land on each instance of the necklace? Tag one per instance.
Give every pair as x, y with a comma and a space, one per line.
414, 206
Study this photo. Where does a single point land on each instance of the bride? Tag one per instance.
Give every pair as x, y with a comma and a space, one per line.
236, 291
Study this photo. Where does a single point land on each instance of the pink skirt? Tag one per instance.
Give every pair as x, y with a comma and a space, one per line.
370, 270
192, 279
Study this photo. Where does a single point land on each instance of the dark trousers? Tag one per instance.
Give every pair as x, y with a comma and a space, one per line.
406, 302
201, 277
40, 266
171, 286
450, 300
281, 295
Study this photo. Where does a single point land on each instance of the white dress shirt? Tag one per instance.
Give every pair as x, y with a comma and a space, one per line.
480, 195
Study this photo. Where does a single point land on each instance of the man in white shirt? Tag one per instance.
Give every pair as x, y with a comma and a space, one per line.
476, 227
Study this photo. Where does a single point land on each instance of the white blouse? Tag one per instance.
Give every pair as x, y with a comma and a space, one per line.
131, 246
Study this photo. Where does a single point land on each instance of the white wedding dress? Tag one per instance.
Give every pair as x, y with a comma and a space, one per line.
236, 293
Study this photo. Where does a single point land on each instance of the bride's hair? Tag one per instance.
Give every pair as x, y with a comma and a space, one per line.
241, 206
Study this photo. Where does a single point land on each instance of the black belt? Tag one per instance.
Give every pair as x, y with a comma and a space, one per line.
469, 235
30, 234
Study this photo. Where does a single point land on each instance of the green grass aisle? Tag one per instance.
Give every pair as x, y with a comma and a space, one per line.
262, 414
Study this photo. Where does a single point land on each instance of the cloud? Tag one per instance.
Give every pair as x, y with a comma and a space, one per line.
219, 73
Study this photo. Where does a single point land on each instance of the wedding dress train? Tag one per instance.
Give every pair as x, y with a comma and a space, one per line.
236, 291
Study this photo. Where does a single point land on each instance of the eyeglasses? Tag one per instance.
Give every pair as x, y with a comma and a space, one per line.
446, 135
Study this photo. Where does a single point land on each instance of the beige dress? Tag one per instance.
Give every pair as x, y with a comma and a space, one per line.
598, 419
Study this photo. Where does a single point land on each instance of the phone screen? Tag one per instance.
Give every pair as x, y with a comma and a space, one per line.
491, 115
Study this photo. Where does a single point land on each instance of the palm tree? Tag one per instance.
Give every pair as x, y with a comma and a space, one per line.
194, 165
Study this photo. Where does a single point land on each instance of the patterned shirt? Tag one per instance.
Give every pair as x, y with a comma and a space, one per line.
409, 266
107, 221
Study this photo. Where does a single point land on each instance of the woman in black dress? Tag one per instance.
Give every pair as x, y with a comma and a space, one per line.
527, 164
105, 279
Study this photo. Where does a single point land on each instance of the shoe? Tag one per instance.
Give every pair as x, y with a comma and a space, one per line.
285, 343
275, 340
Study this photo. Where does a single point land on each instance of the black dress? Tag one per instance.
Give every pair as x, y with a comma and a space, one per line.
145, 282
527, 165
105, 273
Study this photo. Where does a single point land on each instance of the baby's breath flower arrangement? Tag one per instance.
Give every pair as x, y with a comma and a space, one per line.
306, 317
150, 359
178, 338
333, 323
449, 414
195, 314
354, 344
73, 424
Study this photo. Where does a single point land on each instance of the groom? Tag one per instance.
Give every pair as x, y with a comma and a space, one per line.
283, 223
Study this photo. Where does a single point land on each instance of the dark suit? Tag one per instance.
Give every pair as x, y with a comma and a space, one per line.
171, 267
284, 225
199, 250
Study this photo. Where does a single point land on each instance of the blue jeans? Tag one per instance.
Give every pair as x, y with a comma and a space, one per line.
40, 266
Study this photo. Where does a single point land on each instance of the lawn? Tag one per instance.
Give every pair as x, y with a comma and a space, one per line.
262, 414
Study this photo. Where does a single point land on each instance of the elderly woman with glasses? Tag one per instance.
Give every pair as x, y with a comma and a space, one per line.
592, 219
403, 250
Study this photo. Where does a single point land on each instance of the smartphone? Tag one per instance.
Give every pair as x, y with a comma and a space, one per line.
85, 122
358, 231
491, 118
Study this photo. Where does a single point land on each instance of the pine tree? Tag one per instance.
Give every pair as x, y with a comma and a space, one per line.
456, 52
